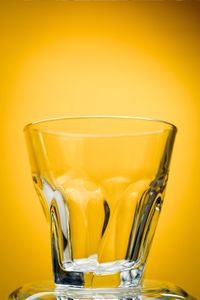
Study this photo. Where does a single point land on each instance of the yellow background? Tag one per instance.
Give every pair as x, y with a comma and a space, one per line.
63, 58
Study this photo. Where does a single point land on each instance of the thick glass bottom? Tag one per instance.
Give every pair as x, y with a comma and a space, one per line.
47, 290
92, 276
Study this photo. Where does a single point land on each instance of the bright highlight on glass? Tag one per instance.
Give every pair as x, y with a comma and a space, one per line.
101, 181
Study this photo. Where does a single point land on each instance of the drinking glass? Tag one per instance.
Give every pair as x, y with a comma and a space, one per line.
101, 181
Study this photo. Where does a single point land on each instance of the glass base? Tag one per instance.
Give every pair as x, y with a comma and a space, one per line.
149, 289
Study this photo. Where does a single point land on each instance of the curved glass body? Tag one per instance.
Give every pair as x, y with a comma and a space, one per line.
101, 182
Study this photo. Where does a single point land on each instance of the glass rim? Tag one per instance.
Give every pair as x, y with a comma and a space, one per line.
171, 126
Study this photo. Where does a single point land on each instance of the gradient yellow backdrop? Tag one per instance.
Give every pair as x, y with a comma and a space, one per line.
63, 58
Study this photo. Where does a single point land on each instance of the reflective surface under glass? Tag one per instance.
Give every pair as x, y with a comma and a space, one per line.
149, 289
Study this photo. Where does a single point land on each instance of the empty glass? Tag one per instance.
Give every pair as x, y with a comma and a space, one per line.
101, 181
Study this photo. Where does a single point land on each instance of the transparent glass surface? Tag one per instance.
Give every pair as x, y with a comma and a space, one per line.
148, 290
101, 182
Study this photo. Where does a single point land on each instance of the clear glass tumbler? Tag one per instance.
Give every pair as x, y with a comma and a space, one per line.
101, 181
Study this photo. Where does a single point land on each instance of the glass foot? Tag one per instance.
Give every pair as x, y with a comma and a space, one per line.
149, 289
